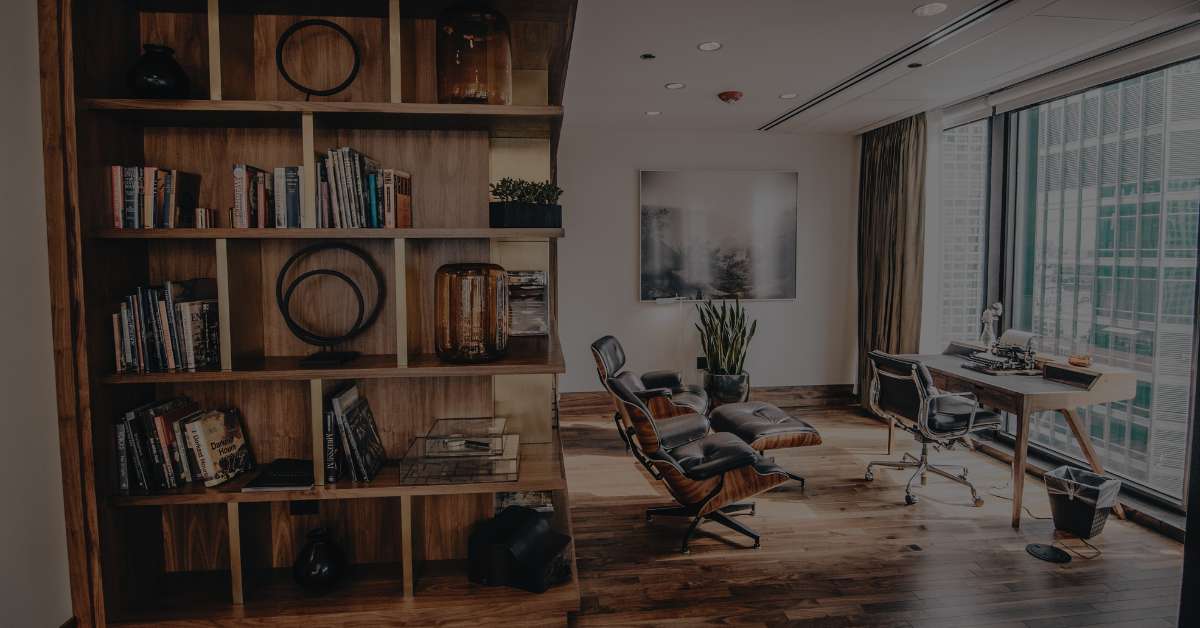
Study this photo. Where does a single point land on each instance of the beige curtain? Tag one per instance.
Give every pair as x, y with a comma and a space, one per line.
890, 240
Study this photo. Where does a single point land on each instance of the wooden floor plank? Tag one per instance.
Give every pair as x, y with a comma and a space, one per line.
846, 552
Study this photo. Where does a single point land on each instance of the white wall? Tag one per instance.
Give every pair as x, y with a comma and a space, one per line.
34, 585
810, 340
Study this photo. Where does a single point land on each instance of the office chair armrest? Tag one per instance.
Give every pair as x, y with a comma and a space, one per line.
969, 396
653, 393
662, 379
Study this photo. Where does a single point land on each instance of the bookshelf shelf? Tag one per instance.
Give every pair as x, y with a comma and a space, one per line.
499, 120
540, 470
303, 234
527, 356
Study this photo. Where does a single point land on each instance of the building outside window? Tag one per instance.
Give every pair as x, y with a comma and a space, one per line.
964, 166
1107, 199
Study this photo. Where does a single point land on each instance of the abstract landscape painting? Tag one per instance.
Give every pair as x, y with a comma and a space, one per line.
718, 234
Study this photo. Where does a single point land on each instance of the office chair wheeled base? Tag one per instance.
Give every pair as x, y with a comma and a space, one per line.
922, 466
721, 516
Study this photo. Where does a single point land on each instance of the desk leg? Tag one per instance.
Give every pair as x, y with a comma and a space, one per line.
891, 423
1020, 454
1085, 444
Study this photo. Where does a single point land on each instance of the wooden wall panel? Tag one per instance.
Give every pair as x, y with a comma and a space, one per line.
419, 58
449, 169
187, 35
212, 152
424, 258
195, 537
275, 414
334, 312
180, 260
318, 57
368, 530
442, 524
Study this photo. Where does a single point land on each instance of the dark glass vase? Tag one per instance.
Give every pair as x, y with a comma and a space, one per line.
158, 75
471, 316
321, 564
474, 57
724, 389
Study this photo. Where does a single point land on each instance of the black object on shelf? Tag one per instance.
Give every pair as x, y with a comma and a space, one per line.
320, 565
158, 75
327, 357
313, 91
283, 474
1080, 500
518, 548
518, 215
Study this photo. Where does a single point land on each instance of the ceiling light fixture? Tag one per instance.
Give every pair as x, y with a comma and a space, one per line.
915, 64
929, 10
674, 86
653, 113
709, 46
788, 96
648, 56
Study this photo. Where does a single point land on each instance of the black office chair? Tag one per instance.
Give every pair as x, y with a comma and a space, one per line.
902, 391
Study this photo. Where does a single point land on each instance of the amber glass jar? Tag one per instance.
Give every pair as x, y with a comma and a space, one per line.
471, 312
474, 57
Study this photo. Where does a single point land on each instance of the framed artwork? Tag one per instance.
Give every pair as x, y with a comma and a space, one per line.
718, 234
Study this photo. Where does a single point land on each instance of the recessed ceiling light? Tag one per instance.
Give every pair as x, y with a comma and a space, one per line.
674, 86
915, 64
788, 96
709, 46
930, 10
648, 56
654, 113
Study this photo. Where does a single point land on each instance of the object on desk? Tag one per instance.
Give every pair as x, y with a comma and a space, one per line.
321, 563
518, 548
418, 469
1080, 500
1004, 360
989, 318
1018, 338
284, 474
465, 437
1081, 352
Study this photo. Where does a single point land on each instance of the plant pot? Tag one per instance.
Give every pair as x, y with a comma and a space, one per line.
320, 565
512, 214
724, 389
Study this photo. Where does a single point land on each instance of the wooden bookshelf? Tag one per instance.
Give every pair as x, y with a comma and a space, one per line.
445, 233
216, 556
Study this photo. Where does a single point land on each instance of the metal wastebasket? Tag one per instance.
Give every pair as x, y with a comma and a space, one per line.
1080, 500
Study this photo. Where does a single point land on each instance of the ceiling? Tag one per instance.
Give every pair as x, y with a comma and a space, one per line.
806, 47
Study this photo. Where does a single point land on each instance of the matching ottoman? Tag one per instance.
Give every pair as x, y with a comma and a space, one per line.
763, 426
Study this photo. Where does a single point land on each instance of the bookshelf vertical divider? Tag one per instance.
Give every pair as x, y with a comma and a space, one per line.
395, 85
224, 319
236, 579
400, 294
214, 49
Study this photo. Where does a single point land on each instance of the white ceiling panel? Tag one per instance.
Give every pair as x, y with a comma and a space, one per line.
1124, 10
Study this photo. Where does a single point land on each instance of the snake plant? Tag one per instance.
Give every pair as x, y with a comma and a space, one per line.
725, 336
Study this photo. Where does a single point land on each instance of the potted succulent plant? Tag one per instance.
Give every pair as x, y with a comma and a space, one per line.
527, 204
725, 339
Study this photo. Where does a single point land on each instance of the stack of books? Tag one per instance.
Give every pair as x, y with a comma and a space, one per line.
353, 448
170, 327
353, 192
264, 199
167, 444
149, 197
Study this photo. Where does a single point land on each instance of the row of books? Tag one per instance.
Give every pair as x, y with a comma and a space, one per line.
149, 197
167, 444
354, 192
353, 449
167, 328
264, 199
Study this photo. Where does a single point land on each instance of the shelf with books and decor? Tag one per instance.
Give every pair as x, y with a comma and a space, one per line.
388, 179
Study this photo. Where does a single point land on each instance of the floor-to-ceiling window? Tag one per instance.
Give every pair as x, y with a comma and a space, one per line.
964, 186
1107, 193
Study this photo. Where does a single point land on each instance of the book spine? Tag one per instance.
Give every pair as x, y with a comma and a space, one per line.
148, 197
164, 324
135, 450
348, 440
170, 206
199, 446
280, 199
122, 459
116, 182
185, 469
331, 447
154, 466
164, 446
404, 218
135, 211
239, 196
292, 195
160, 198
372, 206
118, 359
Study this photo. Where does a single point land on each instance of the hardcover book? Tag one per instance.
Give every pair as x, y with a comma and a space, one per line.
220, 445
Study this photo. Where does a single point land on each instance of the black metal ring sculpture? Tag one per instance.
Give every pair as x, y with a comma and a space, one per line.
283, 39
283, 298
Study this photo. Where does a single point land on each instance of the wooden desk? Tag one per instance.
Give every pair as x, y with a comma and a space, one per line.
1023, 395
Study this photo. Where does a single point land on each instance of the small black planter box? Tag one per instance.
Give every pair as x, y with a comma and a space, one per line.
525, 215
